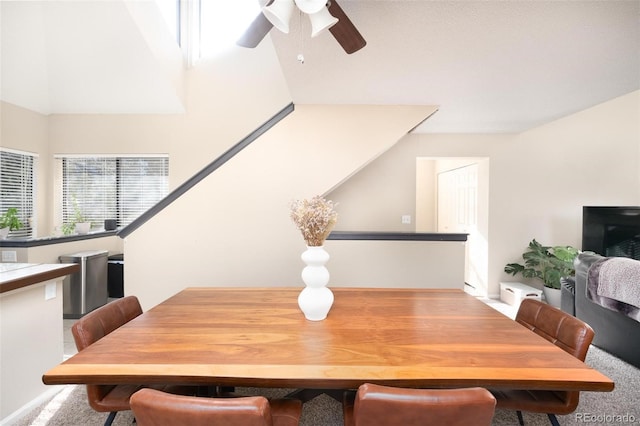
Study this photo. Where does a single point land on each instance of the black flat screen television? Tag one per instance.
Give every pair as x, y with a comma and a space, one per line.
611, 231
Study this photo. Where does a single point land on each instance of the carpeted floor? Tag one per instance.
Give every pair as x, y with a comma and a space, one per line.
620, 407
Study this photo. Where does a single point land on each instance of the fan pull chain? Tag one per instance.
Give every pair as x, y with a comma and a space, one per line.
300, 56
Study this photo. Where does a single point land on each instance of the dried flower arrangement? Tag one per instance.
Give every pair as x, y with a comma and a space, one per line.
315, 218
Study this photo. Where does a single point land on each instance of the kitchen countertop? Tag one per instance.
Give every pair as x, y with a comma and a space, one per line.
18, 275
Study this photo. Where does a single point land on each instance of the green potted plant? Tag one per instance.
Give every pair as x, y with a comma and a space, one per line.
548, 264
9, 221
79, 224
82, 225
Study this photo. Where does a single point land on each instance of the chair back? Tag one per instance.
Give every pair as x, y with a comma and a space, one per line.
571, 334
377, 405
154, 408
94, 326
102, 321
560, 328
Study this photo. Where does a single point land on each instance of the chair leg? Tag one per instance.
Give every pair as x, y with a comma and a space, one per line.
553, 419
520, 419
112, 415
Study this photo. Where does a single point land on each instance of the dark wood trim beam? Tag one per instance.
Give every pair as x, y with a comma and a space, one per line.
396, 236
195, 179
45, 241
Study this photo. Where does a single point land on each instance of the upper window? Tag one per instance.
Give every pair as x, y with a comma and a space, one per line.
17, 188
210, 28
102, 187
170, 11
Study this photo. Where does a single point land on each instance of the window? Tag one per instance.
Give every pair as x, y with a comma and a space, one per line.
170, 10
102, 187
210, 28
17, 187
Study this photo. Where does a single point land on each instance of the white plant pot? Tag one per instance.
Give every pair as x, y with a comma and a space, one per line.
4, 232
552, 296
83, 227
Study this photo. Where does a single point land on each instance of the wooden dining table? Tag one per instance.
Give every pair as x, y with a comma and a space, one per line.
258, 337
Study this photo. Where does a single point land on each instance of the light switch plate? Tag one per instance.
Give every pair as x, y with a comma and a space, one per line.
9, 256
50, 291
406, 219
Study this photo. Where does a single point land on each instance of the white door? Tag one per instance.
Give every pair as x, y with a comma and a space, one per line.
458, 213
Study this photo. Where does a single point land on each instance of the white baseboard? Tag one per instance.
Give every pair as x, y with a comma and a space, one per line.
14, 417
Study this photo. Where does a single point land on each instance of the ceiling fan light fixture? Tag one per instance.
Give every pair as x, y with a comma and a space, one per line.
321, 21
311, 6
279, 14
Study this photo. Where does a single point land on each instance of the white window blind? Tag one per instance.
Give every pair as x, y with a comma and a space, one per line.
120, 188
17, 188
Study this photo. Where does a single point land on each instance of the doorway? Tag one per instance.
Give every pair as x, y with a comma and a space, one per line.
452, 196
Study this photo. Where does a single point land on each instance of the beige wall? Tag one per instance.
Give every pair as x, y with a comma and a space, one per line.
405, 177
388, 184
25, 130
426, 183
219, 115
538, 180
51, 253
29, 344
405, 264
226, 100
237, 230
234, 228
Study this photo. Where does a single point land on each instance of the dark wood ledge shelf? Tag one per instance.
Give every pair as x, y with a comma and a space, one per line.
36, 242
396, 236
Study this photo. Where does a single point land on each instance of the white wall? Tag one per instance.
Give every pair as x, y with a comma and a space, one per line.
226, 100
30, 344
540, 183
238, 231
205, 238
426, 184
376, 198
403, 264
540, 179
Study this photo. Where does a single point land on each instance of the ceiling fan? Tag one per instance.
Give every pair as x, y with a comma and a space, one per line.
339, 24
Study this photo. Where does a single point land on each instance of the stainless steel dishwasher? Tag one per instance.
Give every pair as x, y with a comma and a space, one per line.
87, 289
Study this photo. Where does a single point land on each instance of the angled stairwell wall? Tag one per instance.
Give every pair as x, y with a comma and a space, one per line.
233, 228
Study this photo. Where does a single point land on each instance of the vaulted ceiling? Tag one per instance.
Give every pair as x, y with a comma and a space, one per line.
491, 66
86, 57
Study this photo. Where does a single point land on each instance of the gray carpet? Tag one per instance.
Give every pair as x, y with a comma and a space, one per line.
619, 407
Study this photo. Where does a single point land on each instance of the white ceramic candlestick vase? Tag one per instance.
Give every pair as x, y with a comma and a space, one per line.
315, 299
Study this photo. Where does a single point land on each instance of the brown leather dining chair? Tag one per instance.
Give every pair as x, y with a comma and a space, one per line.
376, 405
94, 326
155, 408
562, 329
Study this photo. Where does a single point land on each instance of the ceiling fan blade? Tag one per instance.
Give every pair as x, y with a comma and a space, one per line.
344, 31
258, 29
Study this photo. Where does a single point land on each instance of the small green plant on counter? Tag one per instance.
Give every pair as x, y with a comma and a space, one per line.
70, 227
10, 219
